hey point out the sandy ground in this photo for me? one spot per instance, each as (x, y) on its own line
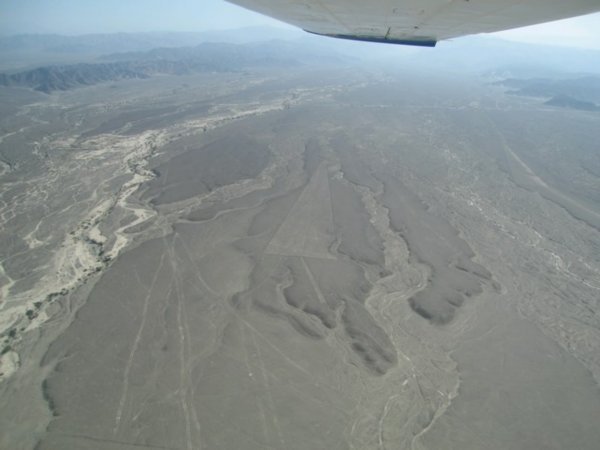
(294, 263)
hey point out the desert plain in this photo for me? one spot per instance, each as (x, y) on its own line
(310, 259)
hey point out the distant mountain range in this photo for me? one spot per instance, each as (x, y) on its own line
(206, 57)
(577, 93)
(30, 51)
(100, 44)
(52, 62)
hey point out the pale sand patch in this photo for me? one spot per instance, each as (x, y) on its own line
(9, 363)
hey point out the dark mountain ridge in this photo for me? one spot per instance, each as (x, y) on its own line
(564, 101)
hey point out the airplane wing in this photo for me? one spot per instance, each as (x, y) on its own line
(415, 22)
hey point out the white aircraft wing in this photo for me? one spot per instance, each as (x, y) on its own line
(415, 22)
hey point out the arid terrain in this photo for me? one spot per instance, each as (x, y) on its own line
(298, 259)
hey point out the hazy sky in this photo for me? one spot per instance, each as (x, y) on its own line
(106, 16)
